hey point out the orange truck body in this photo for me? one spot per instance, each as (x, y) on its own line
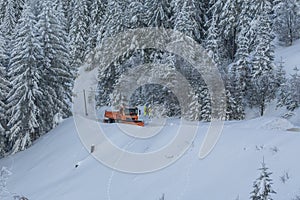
(126, 116)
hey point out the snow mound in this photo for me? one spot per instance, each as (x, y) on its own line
(278, 124)
(295, 119)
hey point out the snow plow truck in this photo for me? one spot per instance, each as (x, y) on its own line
(125, 115)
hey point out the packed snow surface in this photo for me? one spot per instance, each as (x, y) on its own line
(59, 167)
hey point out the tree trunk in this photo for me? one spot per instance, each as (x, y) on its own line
(262, 109)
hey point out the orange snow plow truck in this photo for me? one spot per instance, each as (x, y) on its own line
(124, 115)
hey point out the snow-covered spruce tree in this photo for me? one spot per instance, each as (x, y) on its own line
(136, 10)
(4, 88)
(263, 84)
(186, 19)
(105, 85)
(19, 6)
(240, 69)
(64, 36)
(224, 16)
(67, 11)
(7, 28)
(239, 73)
(158, 13)
(229, 26)
(3, 79)
(215, 49)
(235, 100)
(24, 99)
(282, 83)
(10, 18)
(97, 11)
(213, 43)
(79, 31)
(2, 10)
(205, 103)
(57, 74)
(247, 23)
(66, 6)
(262, 186)
(287, 22)
(115, 20)
(292, 100)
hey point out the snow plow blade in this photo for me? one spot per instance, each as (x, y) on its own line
(137, 123)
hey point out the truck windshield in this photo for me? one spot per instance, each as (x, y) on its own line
(131, 111)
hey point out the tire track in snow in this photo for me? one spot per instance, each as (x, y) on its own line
(187, 175)
(109, 184)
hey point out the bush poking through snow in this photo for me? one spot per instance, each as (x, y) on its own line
(296, 198)
(4, 175)
(20, 198)
(285, 177)
(162, 197)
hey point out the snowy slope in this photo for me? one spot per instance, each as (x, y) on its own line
(47, 170)
(289, 55)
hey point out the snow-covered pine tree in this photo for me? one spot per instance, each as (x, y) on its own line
(282, 83)
(136, 10)
(158, 13)
(186, 19)
(10, 14)
(7, 28)
(239, 71)
(57, 74)
(107, 79)
(79, 31)
(292, 100)
(2, 10)
(224, 17)
(97, 11)
(229, 26)
(262, 187)
(116, 20)
(247, 23)
(263, 85)
(4, 88)
(287, 22)
(19, 6)
(26, 93)
(3, 83)
(235, 100)
(205, 103)
(66, 7)
(3, 108)
(10, 19)
(213, 43)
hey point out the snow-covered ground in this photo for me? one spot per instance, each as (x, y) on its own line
(59, 167)
(289, 56)
(47, 170)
